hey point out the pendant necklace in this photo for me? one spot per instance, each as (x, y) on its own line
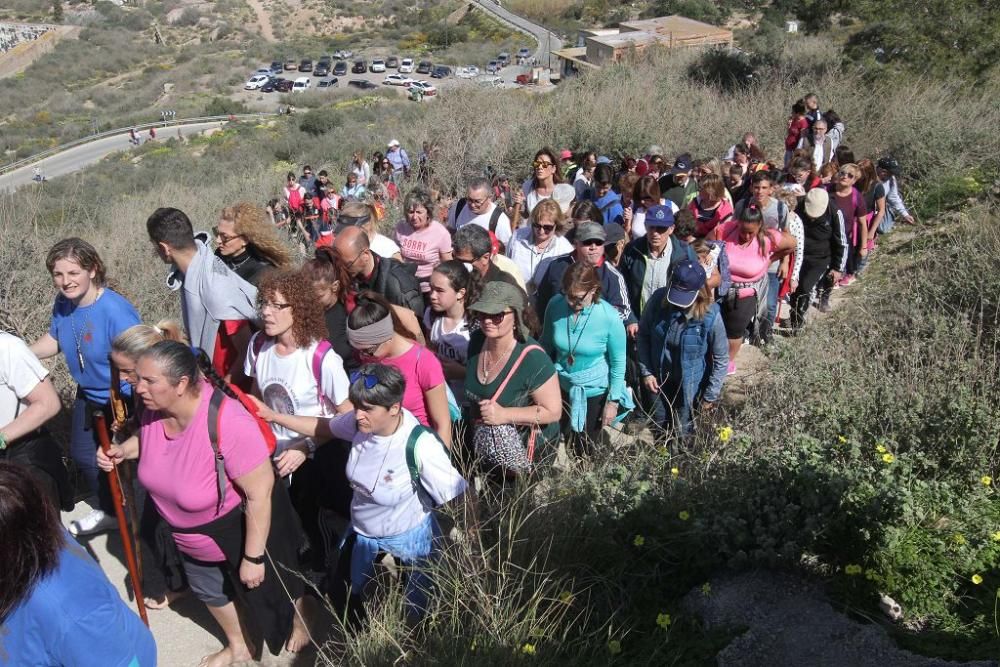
(571, 358)
(76, 336)
(488, 365)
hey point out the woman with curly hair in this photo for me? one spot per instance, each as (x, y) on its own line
(296, 371)
(248, 243)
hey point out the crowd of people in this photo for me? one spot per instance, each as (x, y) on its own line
(13, 34)
(310, 418)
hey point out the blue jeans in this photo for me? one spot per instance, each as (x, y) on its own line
(83, 450)
(773, 285)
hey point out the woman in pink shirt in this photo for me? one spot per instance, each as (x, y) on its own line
(203, 505)
(422, 241)
(750, 249)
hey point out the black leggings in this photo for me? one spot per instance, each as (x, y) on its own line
(813, 272)
(582, 443)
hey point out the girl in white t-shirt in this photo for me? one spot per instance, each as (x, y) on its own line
(445, 322)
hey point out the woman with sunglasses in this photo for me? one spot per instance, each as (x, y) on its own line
(248, 243)
(377, 335)
(586, 338)
(847, 199)
(533, 248)
(543, 181)
(645, 195)
(509, 379)
(399, 473)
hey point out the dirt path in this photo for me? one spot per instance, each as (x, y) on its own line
(263, 19)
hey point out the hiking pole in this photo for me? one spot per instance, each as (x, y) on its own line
(119, 415)
(101, 428)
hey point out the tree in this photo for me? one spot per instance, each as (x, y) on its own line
(57, 11)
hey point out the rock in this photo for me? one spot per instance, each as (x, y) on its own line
(167, 87)
(790, 623)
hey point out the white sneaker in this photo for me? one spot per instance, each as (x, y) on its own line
(95, 522)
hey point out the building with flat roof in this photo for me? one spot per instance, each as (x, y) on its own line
(596, 47)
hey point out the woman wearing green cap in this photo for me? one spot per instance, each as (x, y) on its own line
(511, 384)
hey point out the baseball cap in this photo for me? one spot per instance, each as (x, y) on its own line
(563, 194)
(603, 159)
(659, 215)
(682, 165)
(589, 231)
(688, 278)
(393, 143)
(566, 154)
(614, 233)
(890, 164)
(817, 202)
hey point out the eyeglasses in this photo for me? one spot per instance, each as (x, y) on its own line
(271, 305)
(225, 238)
(370, 379)
(541, 164)
(576, 299)
(543, 228)
(477, 202)
(494, 318)
(353, 261)
(845, 174)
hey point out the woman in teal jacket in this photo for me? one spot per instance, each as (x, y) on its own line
(586, 338)
(683, 352)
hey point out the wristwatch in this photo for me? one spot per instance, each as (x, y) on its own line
(256, 560)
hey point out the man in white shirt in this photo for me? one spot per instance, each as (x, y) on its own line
(477, 208)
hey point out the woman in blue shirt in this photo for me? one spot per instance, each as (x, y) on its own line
(586, 338)
(86, 317)
(683, 352)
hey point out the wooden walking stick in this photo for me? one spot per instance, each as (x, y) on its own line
(101, 428)
(119, 416)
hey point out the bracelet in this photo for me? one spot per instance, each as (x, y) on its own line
(256, 560)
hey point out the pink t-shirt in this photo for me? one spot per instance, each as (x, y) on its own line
(179, 471)
(422, 371)
(746, 263)
(423, 247)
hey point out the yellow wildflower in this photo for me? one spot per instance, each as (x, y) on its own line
(986, 480)
(977, 579)
(888, 458)
(958, 538)
(614, 647)
(706, 589)
(684, 516)
(528, 649)
(565, 597)
(852, 570)
(675, 471)
(841, 439)
(996, 536)
(725, 433)
(880, 448)
(663, 620)
(639, 540)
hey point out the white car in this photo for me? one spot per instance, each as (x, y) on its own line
(377, 66)
(427, 88)
(256, 82)
(301, 84)
(490, 82)
(397, 80)
(470, 72)
(406, 66)
(343, 55)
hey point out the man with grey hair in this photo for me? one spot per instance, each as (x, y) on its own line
(472, 246)
(822, 150)
(477, 208)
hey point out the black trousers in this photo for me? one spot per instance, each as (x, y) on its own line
(582, 443)
(811, 275)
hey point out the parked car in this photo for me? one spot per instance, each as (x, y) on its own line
(392, 62)
(283, 85)
(362, 84)
(291, 65)
(306, 65)
(397, 80)
(493, 67)
(406, 66)
(343, 55)
(266, 71)
(273, 84)
(377, 66)
(470, 72)
(427, 89)
(360, 66)
(523, 53)
(340, 69)
(424, 67)
(256, 82)
(302, 84)
(522, 79)
(440, 72)
(277, 67)
(322, 69)
(490, 82)
(503, 59)
(328, 83)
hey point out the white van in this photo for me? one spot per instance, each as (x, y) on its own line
(301, 84)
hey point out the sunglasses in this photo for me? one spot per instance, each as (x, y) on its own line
(544, 228)
(225, 238)
(370, 380)
(576, 298)
(656, 229)
(541, 164)
(590, 243)
(495, 318)
(845, 174)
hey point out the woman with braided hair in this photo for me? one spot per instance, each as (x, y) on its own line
(207, 467)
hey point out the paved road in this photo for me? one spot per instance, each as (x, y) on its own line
(78, 157)
(547, 40)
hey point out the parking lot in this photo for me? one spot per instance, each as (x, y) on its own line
(259, 100)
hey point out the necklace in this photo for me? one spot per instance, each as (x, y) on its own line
(77, 338)
(488, 366)
(569, 338)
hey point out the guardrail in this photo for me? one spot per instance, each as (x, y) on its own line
(123, 130)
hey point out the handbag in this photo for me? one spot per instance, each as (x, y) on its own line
(500, 446)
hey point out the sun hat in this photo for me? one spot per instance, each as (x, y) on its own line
(817, 202)
(496, 297)
(393, 143)
(685, 283)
